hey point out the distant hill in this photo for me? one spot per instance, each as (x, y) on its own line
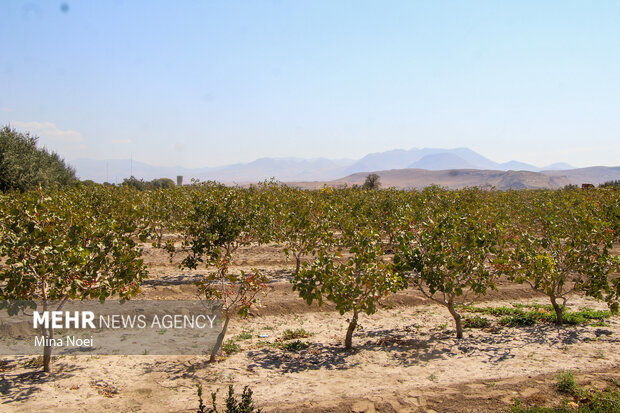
(459, 178)
(595, 175)
(454, 179)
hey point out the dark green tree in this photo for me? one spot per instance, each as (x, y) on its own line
(23, 166)
(372, 182)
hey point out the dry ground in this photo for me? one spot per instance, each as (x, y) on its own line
(405, 358)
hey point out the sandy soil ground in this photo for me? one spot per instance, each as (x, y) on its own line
(406, 358)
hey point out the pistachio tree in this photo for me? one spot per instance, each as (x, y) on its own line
(300, 221)
(561, 243)
(54, 251)
(452, 248)
(354, 283)
(220, 220)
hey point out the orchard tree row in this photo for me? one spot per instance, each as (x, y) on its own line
(349, 246)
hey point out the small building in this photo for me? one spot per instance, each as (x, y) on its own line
(587, 186)
(179, 180)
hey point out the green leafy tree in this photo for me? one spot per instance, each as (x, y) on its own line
(163, 211)
(300, 221)
(142, 185)
(23, 166)
(54, 251)
(219, 222)
(611, 184)
(453, 249)
(355, 284)
(561, 244)
(373, 181)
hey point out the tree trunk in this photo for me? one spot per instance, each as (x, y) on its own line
(457, 320)
(559, 317)
(352, 324)
(297, 263)
(220, 339)
(47, 350)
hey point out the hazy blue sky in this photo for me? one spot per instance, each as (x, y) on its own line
(205, 83)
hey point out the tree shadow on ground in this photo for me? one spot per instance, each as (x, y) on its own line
(179, 369)
(15, 387)
(316, 356)
(274, 276)
(178, 279)
(411, 346)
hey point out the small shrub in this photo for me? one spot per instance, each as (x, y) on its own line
(265, 343)
(546, 307)
(289, 334)
(294, 345)
(591, 314)
(529, 314)
(566, 382)
(476, 322)
(607, 401)
(495, 311)
(518, 320)
(245, 405)
(244, 335)
(590, 400)
(230, 347)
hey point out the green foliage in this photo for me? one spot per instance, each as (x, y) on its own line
(359, 246)
(23, 166)
(584, 400)
(218, 222)
(476, 322)
(244, 335)
(142, 185)
(245, 405)
(566, 382)
(519, 319)
(520, 315)
(373, 181)
(607, 401)
(231, 347)
(300, 220)
(289, 334)
(453, 247)
(54, 250)
(354, 285)
(610, 184)
(561, 242)
(201, 405)
(294, 345)
(495, 311)
(591, 401)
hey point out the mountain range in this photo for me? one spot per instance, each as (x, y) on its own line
(298, 169)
